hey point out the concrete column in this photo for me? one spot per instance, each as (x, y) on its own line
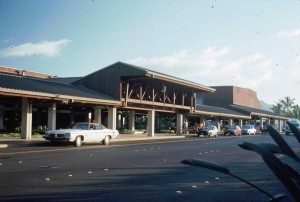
(179, 124)
(119, 120)
(218, 124)
(231, 121)
(151, 123)
(269, 121)
(262, 122)
(26, 122)
(132, 120)
(280, 125)
(123, 121)
(52, 117)
(241, 123)
(89, 117)
(97, 115)
(275, 124)
(112, 118)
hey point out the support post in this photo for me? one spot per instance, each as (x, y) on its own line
(179, 124)
(127, 96)
(26, 122)
(241, 123)
(269, 121)
(151, 123)
(262, 122)
(89, 117)
(52, 117)
(230, 121)
(279, 125)
(97, 115)
(132, 120)
(119, 120)
(112, 118)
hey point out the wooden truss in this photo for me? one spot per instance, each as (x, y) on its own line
(156, 94)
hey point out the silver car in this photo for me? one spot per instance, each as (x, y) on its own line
(82, 132)
(248, 129)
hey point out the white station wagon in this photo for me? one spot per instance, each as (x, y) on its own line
(83, 132)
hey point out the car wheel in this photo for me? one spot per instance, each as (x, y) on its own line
(78, 141)
(105, 141)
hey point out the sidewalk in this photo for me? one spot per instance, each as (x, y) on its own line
(15, 142)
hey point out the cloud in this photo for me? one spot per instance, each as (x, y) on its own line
(289, 34)
(45, 48)
(213, 66)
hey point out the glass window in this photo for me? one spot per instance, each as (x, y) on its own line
(98, 127)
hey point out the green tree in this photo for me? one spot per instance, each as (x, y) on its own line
(277, 108)
(288, 104)
(296, 111)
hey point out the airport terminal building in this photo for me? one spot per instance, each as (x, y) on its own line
(29, 100)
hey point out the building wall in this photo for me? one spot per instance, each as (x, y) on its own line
(223, 96)
(229, 95)
(245, 97)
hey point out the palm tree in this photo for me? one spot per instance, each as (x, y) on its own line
(287, 103)
(277, 108)
(296, 111)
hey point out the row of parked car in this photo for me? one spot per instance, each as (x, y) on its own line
(212, 131)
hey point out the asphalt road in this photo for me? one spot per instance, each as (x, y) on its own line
(136, 171)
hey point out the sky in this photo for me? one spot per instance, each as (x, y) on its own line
(252, 44)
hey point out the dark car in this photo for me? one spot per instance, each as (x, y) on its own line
(263, 129)
(233, 130)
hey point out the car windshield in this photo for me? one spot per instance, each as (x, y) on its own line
(209, 127)
(246, 127)
(81, 126)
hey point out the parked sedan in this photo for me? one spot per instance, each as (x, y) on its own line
(82, 133)
(233, 130)
(248, 129)
(208, 131)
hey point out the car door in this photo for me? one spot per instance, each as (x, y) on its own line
(215, 131)
(90, 134)
(100, 133)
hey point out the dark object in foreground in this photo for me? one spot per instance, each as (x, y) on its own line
(289, 177)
